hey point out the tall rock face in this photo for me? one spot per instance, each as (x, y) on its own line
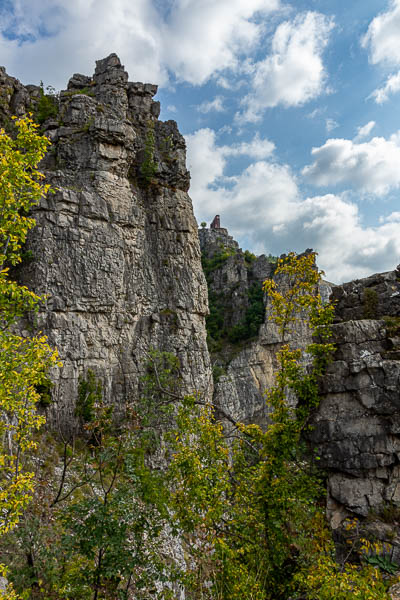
(115, 248)
(242, 349)
(357, 427)
(117, 253)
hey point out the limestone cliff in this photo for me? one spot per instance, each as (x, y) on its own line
(356, 429)
(115, 248)
(117, 252)
(243, 361)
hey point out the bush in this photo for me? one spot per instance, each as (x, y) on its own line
(370, 303)
(47, 107)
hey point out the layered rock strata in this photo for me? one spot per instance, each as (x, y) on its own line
(115, 249)
(356, 430)
(244, 368)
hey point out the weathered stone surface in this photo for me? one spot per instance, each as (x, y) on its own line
(369, 298)
(356, 428)
(247, 367)
(118, 257)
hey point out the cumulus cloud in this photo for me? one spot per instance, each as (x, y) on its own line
(394, 217)
(217, 104)
(293, 73)
(382, 37)
(371, 167)
(263, 205)
(87, 31)
(364, 131)
(382, 43)
(202, 38)
(207, 160)
(194, 40)
(392, 86)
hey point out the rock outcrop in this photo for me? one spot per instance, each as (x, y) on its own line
(357, 427)
(115, 248)
(243, 361)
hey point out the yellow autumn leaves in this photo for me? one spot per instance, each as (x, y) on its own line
(24, 362)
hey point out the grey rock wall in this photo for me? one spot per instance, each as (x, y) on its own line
(117, 256)
(356, 429)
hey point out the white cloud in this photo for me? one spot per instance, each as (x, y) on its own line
(204, 154)
(257, 148)
(202, 38)
(331, 124)
(392, 86)
(317, 112)
(88, 30)
(371, 167)
(394, 217)
(172, 108)
(263, 204)
(382, 38)
(293, 73)
(195, 41)
(364, 131)
(217, 104)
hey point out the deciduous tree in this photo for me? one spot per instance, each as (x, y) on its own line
(24, 362)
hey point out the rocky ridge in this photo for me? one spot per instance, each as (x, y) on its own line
(115, 249)
(356, 429)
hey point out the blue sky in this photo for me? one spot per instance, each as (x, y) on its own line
(290, 109)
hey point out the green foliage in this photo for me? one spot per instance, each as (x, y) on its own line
(95, 527)
(86, 91)
(254, 316)
(203, 224)
(44, 391)
(148, 168)
(20, 186)
(24, 362)
(47, 106)
(249, 257)
(370, 303)
(392, 325)
(382, 562)
(248, 507)
(215, 262)
(322, 578)
(89, 395)
(217, 372)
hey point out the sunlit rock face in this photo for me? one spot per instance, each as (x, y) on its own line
(115, 248)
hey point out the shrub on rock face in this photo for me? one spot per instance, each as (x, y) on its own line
(370, 302)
